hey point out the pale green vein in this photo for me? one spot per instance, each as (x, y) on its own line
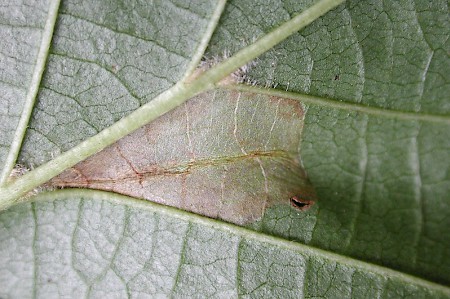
(181, 261)
(414, 157)
(205, 39)
(32, 91)
(335, 104)
(34, 247)
(247, 234)
(168, 100)
(361, 186)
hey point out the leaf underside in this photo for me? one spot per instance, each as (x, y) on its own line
(140, 249)
(382, 182)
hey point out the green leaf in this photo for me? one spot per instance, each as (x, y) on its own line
(95, 244)
(375, 144)
(377, 153)
(100, 80)
(26, 31)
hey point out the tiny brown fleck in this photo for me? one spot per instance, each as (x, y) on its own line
(301, 204)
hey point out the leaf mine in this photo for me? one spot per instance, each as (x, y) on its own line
(223, 154)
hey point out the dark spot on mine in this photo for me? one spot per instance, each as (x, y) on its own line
(300, 203)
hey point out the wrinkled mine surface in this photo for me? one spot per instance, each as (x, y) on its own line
(223, 154)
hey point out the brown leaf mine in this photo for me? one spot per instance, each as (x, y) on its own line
(223, 154)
